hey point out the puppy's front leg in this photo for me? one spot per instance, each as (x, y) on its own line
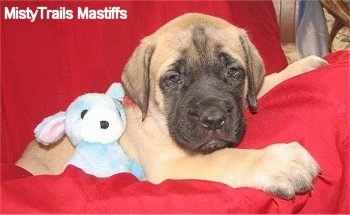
(280, 169)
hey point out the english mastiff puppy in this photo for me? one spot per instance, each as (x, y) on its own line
(190, 82)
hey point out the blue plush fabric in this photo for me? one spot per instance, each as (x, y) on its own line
(104, 160)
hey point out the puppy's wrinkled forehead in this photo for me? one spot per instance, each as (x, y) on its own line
(201, 44)
(197, 44)
(202, 49)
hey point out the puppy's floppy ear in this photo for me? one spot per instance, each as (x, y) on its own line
(136, 74)
(255, 70)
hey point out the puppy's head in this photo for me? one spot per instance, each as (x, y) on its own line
(195, 75)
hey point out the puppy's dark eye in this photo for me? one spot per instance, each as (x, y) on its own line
(233, 72)
(82, 114)
(174, 78)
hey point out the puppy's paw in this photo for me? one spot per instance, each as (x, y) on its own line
(312, 62)
(285, 170)
(304, 65)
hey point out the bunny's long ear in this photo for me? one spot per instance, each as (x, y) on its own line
(116, 91)
(51, 129)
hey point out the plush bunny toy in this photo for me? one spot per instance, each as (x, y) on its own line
(93, 122)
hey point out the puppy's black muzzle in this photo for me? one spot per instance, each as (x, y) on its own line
(205, 108)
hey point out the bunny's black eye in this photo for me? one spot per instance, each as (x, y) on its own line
(82, 114)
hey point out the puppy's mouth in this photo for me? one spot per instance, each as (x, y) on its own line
(214, 145)
(207, 141)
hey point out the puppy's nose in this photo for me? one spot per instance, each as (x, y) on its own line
(104, 124)
(213, 119)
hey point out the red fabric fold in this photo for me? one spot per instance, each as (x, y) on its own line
(10, 171)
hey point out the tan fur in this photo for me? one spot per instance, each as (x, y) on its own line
(41, 160)
(280, 169)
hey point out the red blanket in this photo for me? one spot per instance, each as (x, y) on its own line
(312, 109)
(46, 64)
